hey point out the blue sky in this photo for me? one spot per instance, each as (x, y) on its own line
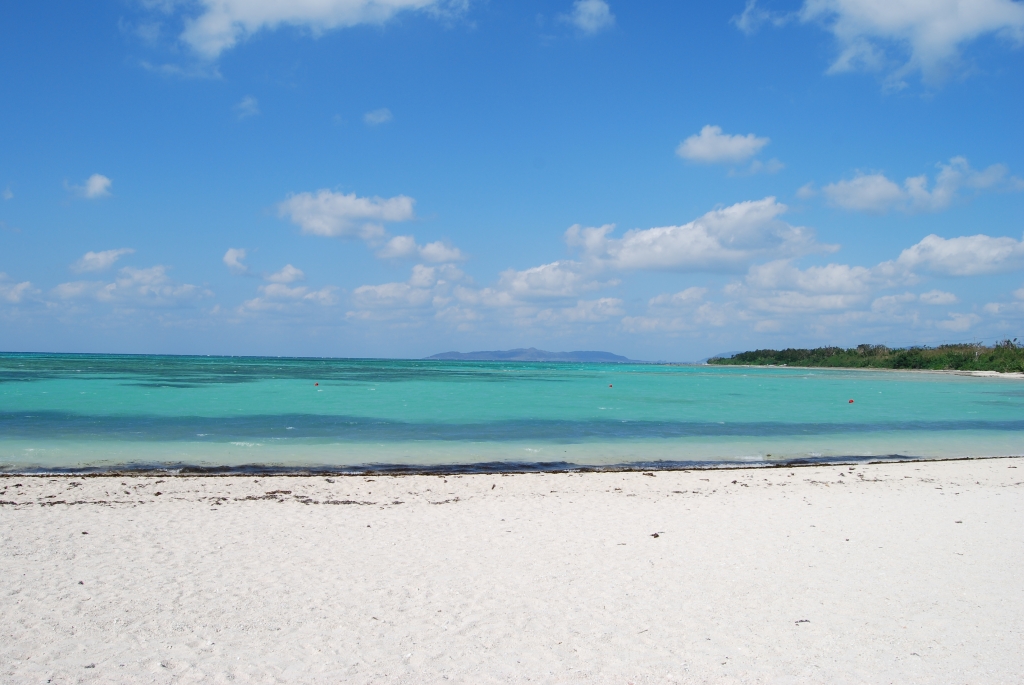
(404, 177)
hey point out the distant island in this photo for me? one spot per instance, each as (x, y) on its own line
(531, 354)
(1005, 356)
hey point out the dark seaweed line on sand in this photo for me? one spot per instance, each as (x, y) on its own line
(492, 467)
(288, 427)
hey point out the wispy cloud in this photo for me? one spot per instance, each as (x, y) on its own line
(378, 117)
(247, 107)
(99, 261)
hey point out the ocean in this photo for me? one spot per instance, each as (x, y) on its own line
(62, 412)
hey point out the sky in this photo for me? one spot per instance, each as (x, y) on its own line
(398, 178)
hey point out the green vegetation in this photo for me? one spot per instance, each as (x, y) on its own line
(1004, 356)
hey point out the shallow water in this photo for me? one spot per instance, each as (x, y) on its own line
(109, 411)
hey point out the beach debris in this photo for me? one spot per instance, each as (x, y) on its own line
(85, 532)
(803, 620)
(81, 582)
(658, 534)
(650, 474)
(957, 521)
(492, 486)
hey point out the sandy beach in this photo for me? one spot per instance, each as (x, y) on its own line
(885, 573)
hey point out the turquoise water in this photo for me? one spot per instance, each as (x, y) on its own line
(108, 411)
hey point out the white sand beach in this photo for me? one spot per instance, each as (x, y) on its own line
(887, 573)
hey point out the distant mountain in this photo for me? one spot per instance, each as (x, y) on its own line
(531, 355)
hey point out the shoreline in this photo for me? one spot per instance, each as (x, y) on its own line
(958, 372)
(484, 468)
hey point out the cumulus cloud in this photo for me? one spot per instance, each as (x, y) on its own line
(151, 286)
(378, 117)
(404, 246)
(721, 240)
(938, 297)
(927, 34)
(247, 107)
(682, 298)
(427, 286)
(876, 193)
(281, 297)
(327, 213)
(288, 274)
(591, 16)
(99, 261)
(14, 292)
(712, 146)
(96, 186)
(964, 256)
(222, 24)
(233, 260)
(584, 311)
(555, 280)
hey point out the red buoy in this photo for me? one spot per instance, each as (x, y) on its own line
(609, 385)
(319, 384)
(851, 401)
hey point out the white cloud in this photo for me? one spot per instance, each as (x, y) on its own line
(221, 24)
(378, 117)
(438, 251)
(7, 194)
(866, 193)
(402, 246)
(683, 298)
(247, 107)
(427, 285)
(96, 186)
(722, 239)
(327, 213)
(929, 34)
(711, 146)
(288, 274)
(806, 191)
(964, 256)
(233, 260)
(554, 280)
(591, 16)
(388, 295)
(282, 297)
(959, 322)
(98, 261)
(876, 193)
(14, 292)
(938, 297)
(585, 311)
(753, 17)
(151, 286)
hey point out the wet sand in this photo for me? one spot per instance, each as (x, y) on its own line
(906, 572)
